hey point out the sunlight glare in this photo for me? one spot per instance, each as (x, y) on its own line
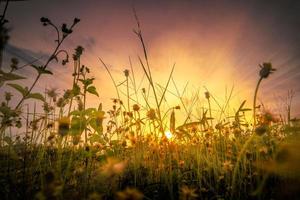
(168, 134)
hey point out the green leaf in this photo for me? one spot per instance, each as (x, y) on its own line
(9, 76)
(37, 96)
(89, 111)
(19, 88)
(86, 82)
(78, 124)
(97, 125)
(75, 90)
(92, 90)
(76, 112)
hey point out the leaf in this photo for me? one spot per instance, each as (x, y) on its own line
(41, 70)
(242, 105)
(37, 96)
(44, 71)
(78, 124)
(89, 111)
(87, 82)
(92, 90)
(76, 112)
(75, 90)
(9, 76)
(19, 88)
(97, 125)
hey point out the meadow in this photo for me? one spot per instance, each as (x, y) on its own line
(138, 149)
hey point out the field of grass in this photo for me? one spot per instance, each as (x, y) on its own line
(138, 149)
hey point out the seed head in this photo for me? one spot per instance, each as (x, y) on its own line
(136, 107)
(151, 114)
(266, 70)
(63, 126)
(207, 95)
(126, 72)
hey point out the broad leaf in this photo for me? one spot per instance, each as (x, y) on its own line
(9, 76)
(37, 96)
(78, 124)
(92, 90)
(75, 90)
(19, 88)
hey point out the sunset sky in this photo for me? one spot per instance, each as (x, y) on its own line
(216, 44)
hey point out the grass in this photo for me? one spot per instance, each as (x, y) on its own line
(139, 149)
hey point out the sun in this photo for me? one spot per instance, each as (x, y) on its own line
(168, 134)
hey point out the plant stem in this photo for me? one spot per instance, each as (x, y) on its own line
(254, 101)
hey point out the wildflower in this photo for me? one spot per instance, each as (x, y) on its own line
(136, 107)
(14, 63)
(51, 137)
(133, 140)
(129, 114)
(181, 163)
(99, 117)
(267, 118)
(113, 167)
(115, 101)
(266, 70)
(287, 159)
(187, 193)
(67, 94)
(63, 126)
(61, 102)
(78, 52)
(130, 194)
(143, 90)
(207, 95)
(49, 125)
(227, 166)
(237, 132)
(34, 125)
(66, 30)
(126, 72)
(52, 92)
(47, 108)
(8, 96)
(263, 150)
(151, 114)
(45, 21)
(76, 20)
(262, 129)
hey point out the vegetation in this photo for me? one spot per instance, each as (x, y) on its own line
(137, 149)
